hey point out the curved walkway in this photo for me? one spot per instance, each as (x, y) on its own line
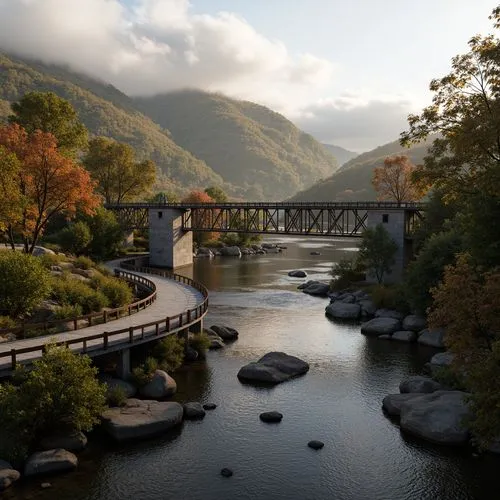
(173, 299)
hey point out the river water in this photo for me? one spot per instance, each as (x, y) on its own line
(338, 402)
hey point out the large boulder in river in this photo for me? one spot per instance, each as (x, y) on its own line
(437, 417)
(441, 359)
(162, 385)
(341, 310)
(141, 418)
(414, 323)
(419, 384)
(193, 411)
(404, 336)
(50, 461)
(368, 308)
(381, 326)
(392, 403)
(70, 441)
(433, 338)
(224, 332)
(230, 251)
(273, 368)
(318, 289)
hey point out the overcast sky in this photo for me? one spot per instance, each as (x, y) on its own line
(347, 71)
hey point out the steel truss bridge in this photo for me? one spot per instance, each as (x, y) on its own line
(348, 219)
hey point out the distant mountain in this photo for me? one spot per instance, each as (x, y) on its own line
(353, 181)
(250, 146)
(342, 155)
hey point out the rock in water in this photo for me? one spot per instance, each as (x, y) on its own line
(315, 445)
(392, 402)
(419, 384)
(226, 472)
(273, 368)
(224, 332)
(381, 326)
(72, 441)
(405, 336)
(161, 386)
(139, 419)
(341, 310)
(437, 417)
(297, 274)
(271, 416)
(433, 338)
(209, 406)
(193, 411)
(414, 323)
(46, 462)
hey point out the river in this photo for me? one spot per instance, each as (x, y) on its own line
(338, 402)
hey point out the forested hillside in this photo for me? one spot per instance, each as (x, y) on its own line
(248, 145)
(342, 155)
(353, 181)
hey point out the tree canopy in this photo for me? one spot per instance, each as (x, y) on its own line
(48, 183)
(119, 176)
(50, 113)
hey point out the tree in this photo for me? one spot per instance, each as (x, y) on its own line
(217, 194)
(393, 181)
(24, 283)
(49, 183)
(202, 217)
(467, 305)
(165, 197)
(75, 238)
(11, 201)
(377, 251)
(119, 177)
(465, 112)
(50, 113)
(107, 234)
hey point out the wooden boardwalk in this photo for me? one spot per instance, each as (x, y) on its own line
(174, 299)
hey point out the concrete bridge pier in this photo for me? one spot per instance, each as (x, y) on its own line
(169, 245)
(123, 365)
(395, 222)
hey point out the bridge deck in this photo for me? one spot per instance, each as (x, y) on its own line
(173, 298)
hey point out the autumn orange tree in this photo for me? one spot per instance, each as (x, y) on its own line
(467, 305)
(202, 217)
(393, 181)
(48, 182)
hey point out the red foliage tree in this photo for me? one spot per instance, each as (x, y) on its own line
(49, 183)
(202, 218)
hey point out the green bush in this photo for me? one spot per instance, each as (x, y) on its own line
(143, 374)
(7, 322)
(447, 377)
(75, 238)
(170, 353)
(426, 271)
(68, 311)
(200, 342)
(107, 234)
(389, 297)
(83, 262)
(116, 396)
(49, 259)
(117, 292)
(61, 392)
(68, 291)
(24, 283)
(345, 272)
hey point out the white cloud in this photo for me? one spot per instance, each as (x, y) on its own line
(155, 46)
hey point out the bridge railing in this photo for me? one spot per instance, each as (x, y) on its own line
(136, 334)
(104, 316)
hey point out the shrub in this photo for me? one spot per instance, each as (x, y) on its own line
(7, 322)
(389, 297)
(60, 392)
(83, 262)
(344, 274)
(75, 238)
(170, 353)
(116, 291)
(448, 377)
(68, 311)
(49, 259)
(107, 234)
(116, 396)
(68, 291)
(143, 374)
(24, 283)
(200, 342)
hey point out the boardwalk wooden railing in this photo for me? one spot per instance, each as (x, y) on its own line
(95, 317)
(136, 334)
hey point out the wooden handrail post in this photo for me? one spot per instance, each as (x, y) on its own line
(167, 324)
(131, 335)
(105, 340)
(157, 329)
(180, 319)
(188, 314)
(105, 316)
(13, 359)
(84, 345)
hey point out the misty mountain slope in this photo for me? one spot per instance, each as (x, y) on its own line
(102, 117)
(342, 155)
(247, 144)
(353, 181)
